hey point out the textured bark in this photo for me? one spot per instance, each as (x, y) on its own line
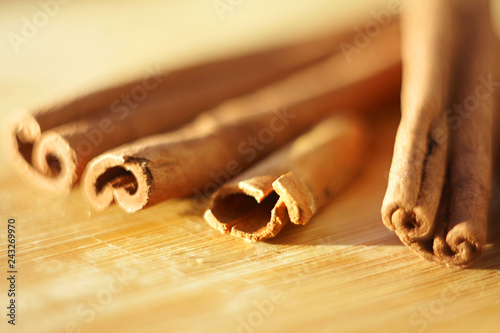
(52, 145)
(291, 184)
(440, 180)
(180, 163)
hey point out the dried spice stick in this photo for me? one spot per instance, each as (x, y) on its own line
(51, 146)
(242, 131)
(291, 184)
(440, 180)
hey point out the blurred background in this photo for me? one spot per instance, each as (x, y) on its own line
(80, 44)
(88, 43)
(50, 48)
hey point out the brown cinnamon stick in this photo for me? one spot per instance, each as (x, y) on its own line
(51, 146)
(291, 184)
(242, 131)
(440, 180)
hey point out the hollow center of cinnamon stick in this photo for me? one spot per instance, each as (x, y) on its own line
(54, 165)
(243, 212)
(25, 149)
(117, 177)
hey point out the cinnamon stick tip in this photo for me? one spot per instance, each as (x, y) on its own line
(23, 125)
(409, 225)
(457, 250)
(466, 246)
(125, 180)
(215, 223)
(45, 159)
(54, 158)
(20, 132)
(296, 197)
(234, 210)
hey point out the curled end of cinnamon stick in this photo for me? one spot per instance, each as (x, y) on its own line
(408, 223)
(55, 162)
(46, 160)
(26, 129)
(457, 252)
(20, 137)
(125, 180)
(258, 208)
(459, 248)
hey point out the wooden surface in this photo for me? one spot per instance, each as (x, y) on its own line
(163, 269)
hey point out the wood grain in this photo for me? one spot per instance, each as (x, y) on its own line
(165, 270)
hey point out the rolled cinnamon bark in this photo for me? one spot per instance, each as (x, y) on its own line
(291, 184)
(440, 180)
(51, 146)
(242, 131)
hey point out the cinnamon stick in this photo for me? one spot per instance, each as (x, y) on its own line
(52, 145)
(291, 184)
(440, 180)
(242, 131)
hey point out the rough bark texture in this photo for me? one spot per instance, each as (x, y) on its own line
(244, 130)
(291, 184)
(440, 180)
(52, 145)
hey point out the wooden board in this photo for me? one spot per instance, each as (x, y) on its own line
(163, 269)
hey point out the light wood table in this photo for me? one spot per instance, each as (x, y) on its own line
(163, 269)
